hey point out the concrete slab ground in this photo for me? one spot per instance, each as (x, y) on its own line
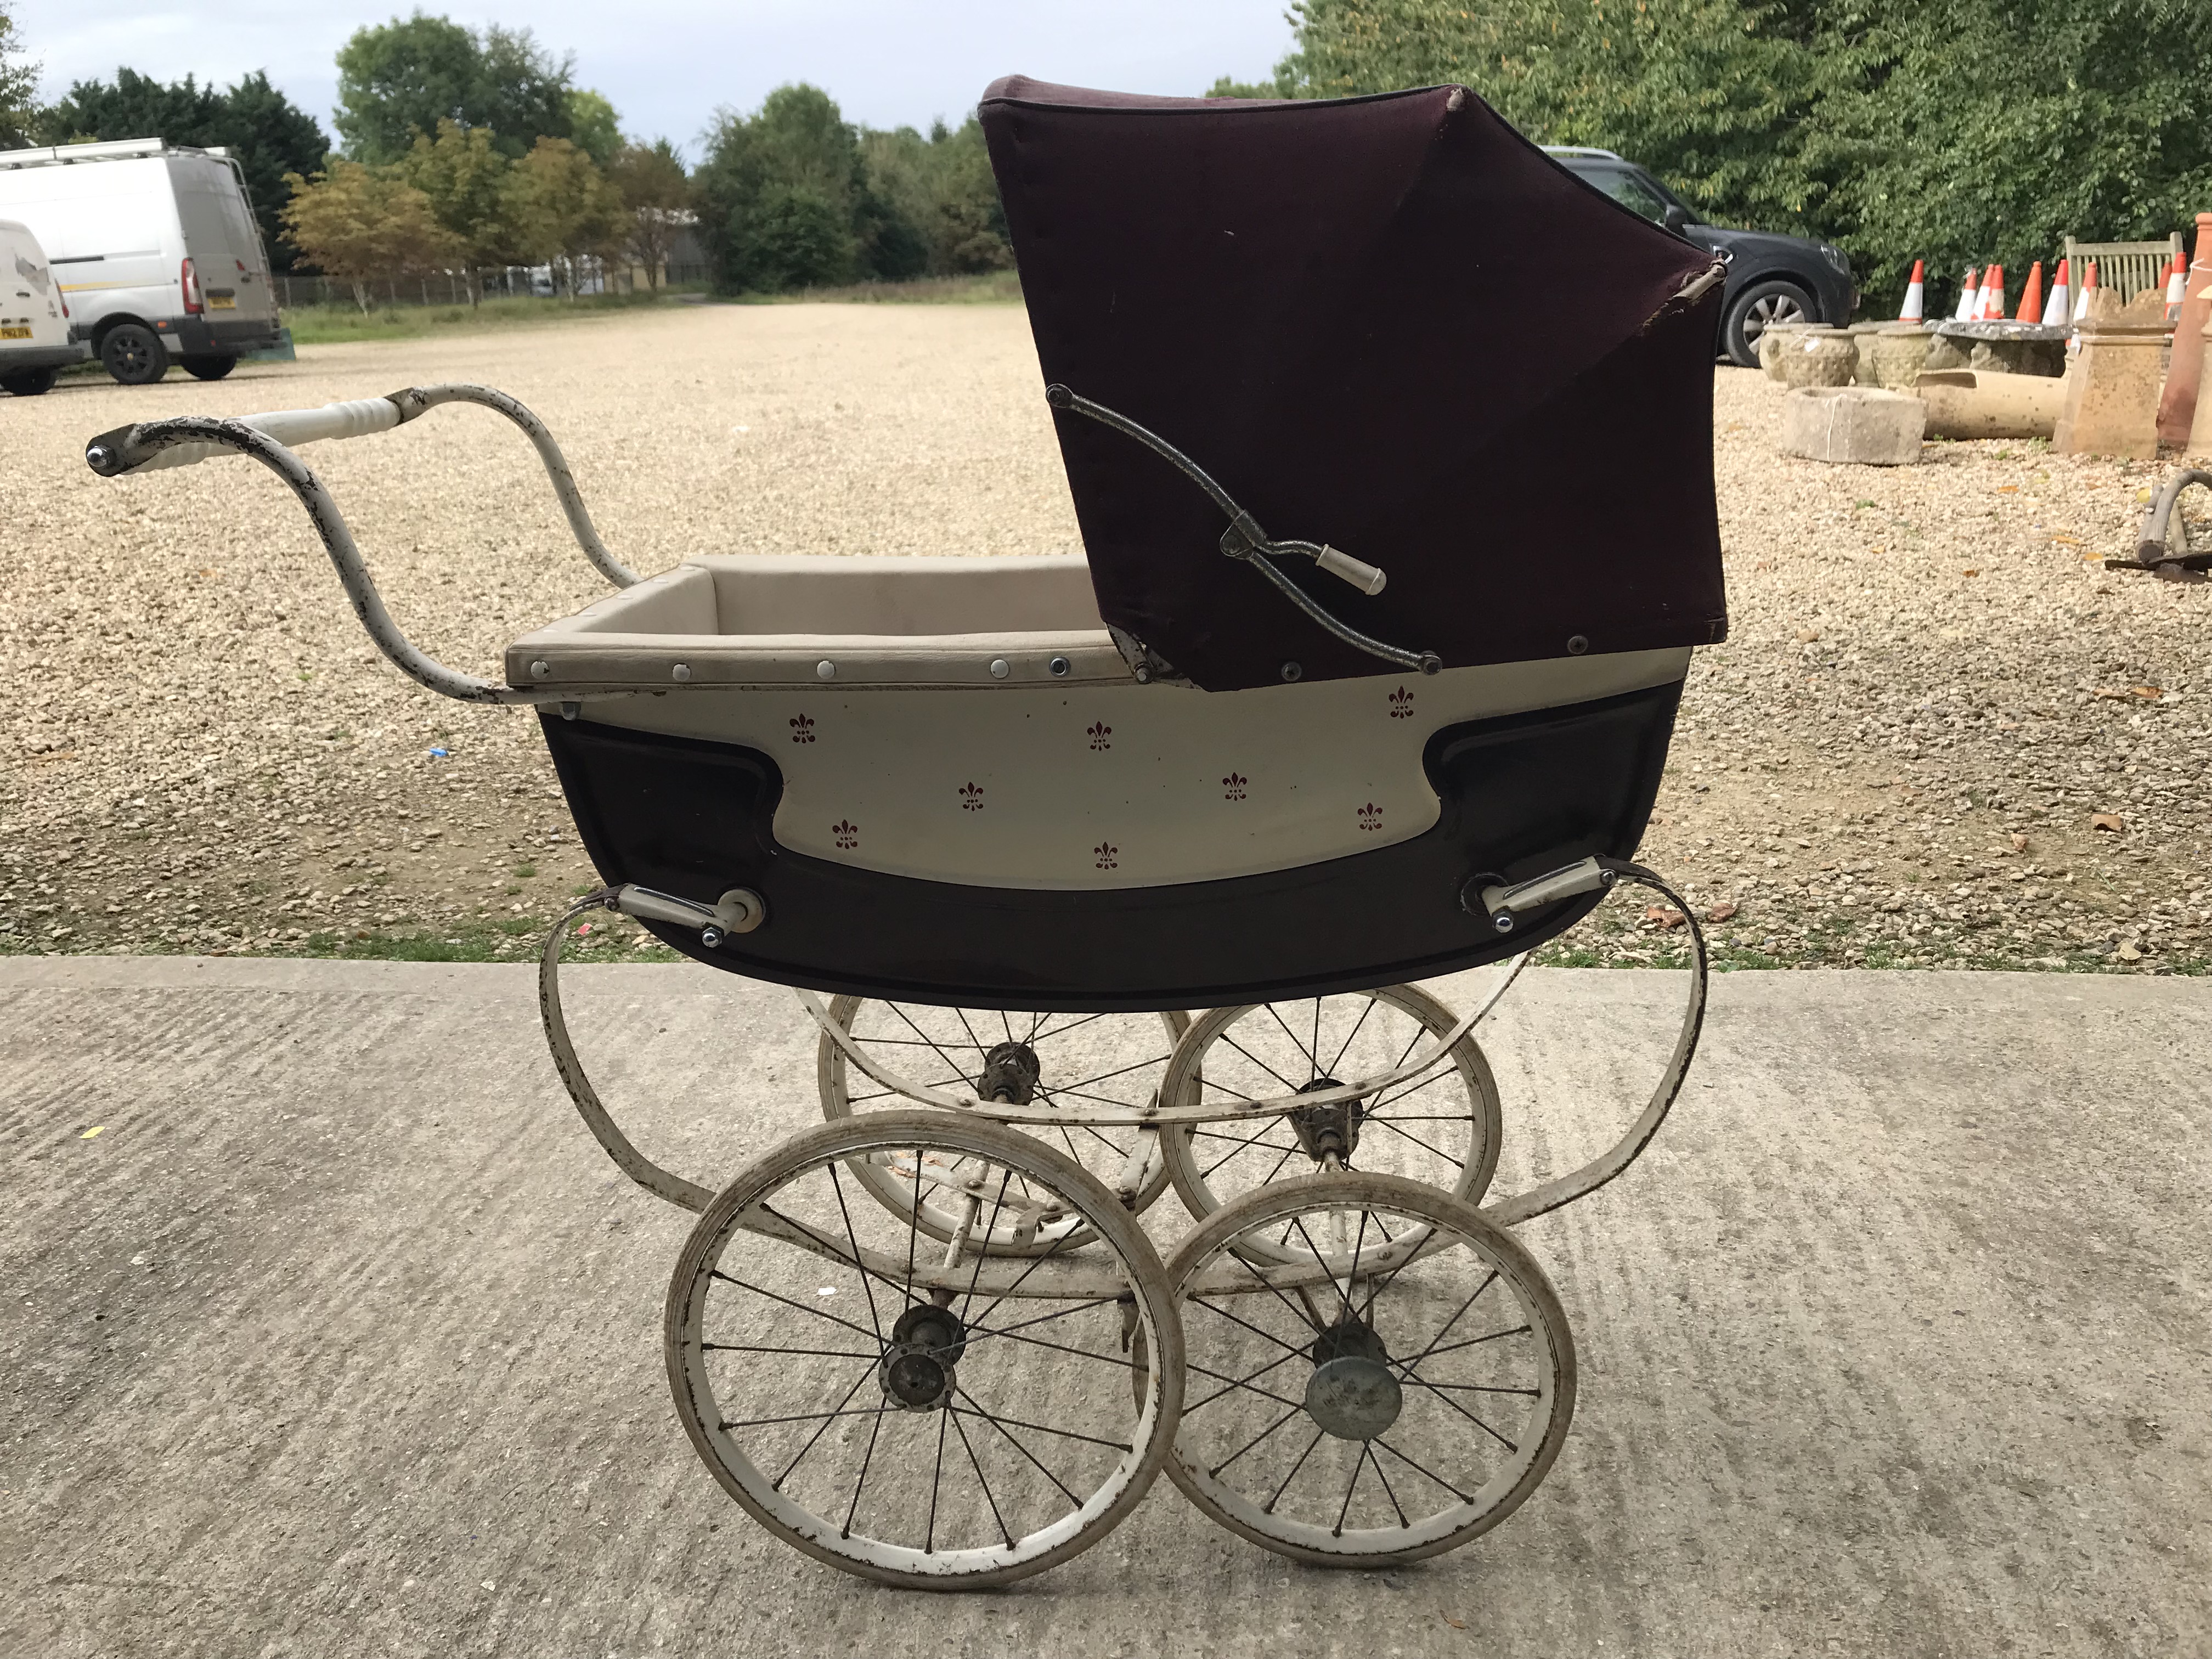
(340, 1337)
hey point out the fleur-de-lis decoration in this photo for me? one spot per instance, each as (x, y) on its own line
(1099, 735)
(1232, 787)
(802, 728)
(1370, 816)
(847, 834)
(1104, 854)
(1402, 704)
(971, 797)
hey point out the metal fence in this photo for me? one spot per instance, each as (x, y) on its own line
(451, 287)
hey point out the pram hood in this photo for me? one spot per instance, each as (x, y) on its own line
(1390, 324)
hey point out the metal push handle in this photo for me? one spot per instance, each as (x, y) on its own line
(1245, 540)
(267, 438)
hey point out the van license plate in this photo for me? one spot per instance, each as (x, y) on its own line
(215, 302)
(15, 333)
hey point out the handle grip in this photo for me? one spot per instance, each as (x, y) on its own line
(1365, 577)
(288, 426)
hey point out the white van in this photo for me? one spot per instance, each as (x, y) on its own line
(155, 249)
(34, 320)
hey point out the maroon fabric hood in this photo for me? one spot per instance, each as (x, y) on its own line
(1389, 323)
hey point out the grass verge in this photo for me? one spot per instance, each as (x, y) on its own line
(338, 325)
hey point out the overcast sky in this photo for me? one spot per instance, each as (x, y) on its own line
(668, 64)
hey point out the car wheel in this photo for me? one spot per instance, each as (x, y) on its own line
(208, 368)
(30, 382)
(134, 354)
(1757, 308)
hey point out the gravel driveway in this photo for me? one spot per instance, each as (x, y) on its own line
(1931, 700)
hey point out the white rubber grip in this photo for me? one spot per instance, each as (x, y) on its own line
(1365, 577)
(292, 428)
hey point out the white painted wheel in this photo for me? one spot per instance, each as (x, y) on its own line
(1443, 1130)
(913, 1412)
(1400, 1392)
(1078, 1059)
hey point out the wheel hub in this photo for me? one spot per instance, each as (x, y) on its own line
(1353, 1398)
(1009, 1074)
(916, 1371)
(1324, 1129)
(1352, 1393)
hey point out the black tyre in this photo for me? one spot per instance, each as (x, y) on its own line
(30, 382)
(208, 368)
(1753, 312)
(134, 354)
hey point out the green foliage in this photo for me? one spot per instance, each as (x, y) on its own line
(559, 207)
(656, 197)
(593, 127)
(357, 223)
(403, 77)
(465, 176)
(1955, 130)
(793, 196)
(19, 88)
(270, 136)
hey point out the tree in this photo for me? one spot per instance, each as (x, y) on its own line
(403, 77)
(562, 207)
(464, 178)
(593, 126)
(19, 87)
(1899, 129)
(357, 223)
(792, 195)
(656, 195)
(270, 135)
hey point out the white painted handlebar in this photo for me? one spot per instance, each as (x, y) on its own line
(290, 428)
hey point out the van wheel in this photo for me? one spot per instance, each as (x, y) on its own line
(30, 382)
(133, 354)
(208, 368)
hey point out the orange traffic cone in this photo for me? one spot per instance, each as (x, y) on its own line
(1915, 309)
(2059, 309)
(2177, 283)
(2031, 297)
(2184, 369)
(1970, 296)
(1993, 294)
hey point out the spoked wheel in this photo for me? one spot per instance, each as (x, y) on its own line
(908, 1410)
(1442, 1130)
(1403, 1390)
(1070, 1061)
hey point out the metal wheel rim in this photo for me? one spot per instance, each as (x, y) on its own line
(1120, 1250)
(834, 1079)
(1549, 1365)
(1189, 1167)
(1764, 313)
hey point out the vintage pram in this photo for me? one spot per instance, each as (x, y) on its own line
(1019, 816)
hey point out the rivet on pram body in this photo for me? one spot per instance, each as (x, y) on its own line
(1114, 867)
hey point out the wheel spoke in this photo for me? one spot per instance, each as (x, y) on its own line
(1386, 1123)
(1269, 1507)
(1216, 1470)
(1426, 1475)
(1344, 1047)
(1245, 1382)
(1269, 1336)
(936, 1477)
(1258, 1062)
(1022, 1449)
(819, 1313)
(976, 1464)
(813, 1353)
(1358, 1467)
(1237, 1382)
(1488, 1279)
(1463, 1411)
(777, 1484)
(1385, 1479)
(853, 1239)
(1471, 1341)
(1312, 1063)
(1037, 1428)
(866, 1458)
(958, 1070)
(1271, 1128)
